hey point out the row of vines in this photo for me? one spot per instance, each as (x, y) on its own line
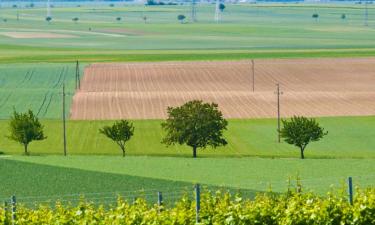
(215, 208)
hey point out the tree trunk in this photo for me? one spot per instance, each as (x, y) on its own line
(194, 152)
(123, 152)
(25, 146)
(302, 153)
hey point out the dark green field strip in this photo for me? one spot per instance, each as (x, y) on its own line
(36, 183)
(104, 57)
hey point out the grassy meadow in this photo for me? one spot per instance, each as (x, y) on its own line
(54, 176)
(349, 137)
(245, 31)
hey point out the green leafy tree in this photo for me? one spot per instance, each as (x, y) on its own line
(118, 18)
(48, 19)
(315, 16)
(25, 128)
(120, 132)
(300, 131)
(75, 19)
(195, 124)
(181, 18)
(221, 7)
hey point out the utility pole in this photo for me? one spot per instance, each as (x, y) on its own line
(366, 13)
(253, 68)
(278, 111)
(63, 117)
(217, 11)
(78, 82)
(48, 8)
(193, 11)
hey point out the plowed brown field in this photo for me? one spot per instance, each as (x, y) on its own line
(311, 87)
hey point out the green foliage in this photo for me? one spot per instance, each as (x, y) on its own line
(48, 19)
(196, 124)
(75, 19)
(25, 128)
(216, 208)
(315, 16)
(181, 18)
(120, 132)
(300, 131)
(221, 7)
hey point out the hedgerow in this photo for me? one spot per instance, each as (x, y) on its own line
(216, 208)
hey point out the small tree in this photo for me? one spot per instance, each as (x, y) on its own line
(25, 128)
(343, 16)
(48, 19)
(300, 131)
(144, 19)
(120, 132)
(195, 124)
(221, 7)
(315, 16)
(181, 18)
(118, 18)
(75, 19)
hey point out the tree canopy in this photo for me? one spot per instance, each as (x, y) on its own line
(25, 128)
(120, 132)
(195, 124)
(181, 18)
(221, 7)
(300, 131)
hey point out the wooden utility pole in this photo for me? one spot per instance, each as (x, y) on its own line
(278, 111)
(253, 68)
(63, 117)
(78, 82)
(366, 13)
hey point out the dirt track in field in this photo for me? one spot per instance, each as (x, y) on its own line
(311, 87)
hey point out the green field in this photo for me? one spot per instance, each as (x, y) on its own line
(246, 31)
(37, 87)
(349, 137)
(53, 176)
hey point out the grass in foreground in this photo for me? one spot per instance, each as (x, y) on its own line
(48, 175)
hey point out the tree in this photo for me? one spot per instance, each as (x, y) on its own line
(118, 18)
(181, 18)
(221, 7)
(343, 16)
(25, 128)
(300, 131)
(195, 124)
(75, 19)
(120, 132)
(144, 19)
(48, 19)
(315, 16)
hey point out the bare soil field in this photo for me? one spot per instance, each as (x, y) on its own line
(311, 87)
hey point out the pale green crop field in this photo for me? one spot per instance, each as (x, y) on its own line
(246, 31)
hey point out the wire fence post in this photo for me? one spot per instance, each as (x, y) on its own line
(13, 205)
(198, 202)
(5, 212)
(160, 200)
(350, 190)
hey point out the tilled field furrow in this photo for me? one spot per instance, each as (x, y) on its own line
(311, 87)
